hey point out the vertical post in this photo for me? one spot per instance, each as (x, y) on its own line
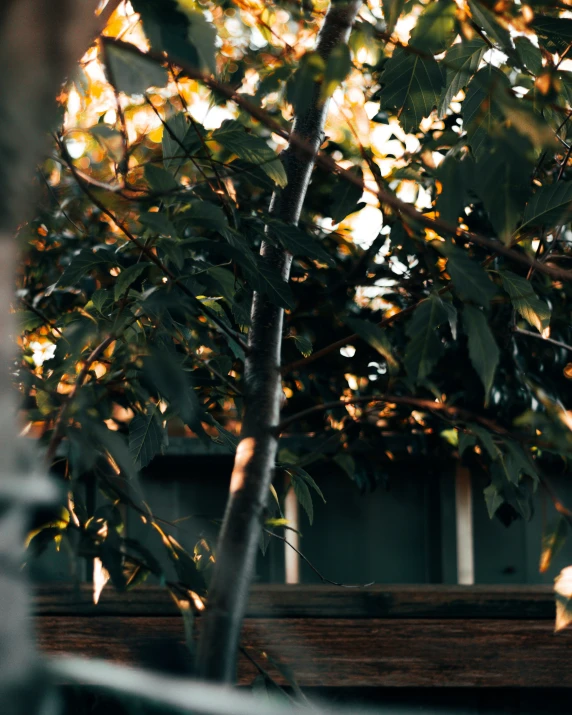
(464, 522)
(291, 557)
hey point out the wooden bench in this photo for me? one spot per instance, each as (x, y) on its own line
(381, 636)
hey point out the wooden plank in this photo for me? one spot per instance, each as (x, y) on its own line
(346, 652)
(300, 601)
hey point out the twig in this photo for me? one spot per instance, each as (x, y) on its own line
(399, 400)
(57, 435)
(64, 213)
(44, 317)
(150, 255)
(311, 565)
(331, 166)
(538, 336)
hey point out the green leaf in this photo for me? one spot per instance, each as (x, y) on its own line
(411, 87)
(102, 301)
(502, 181)
(483, 350)
(303, 344)
(298, 242)
(462, 60)
(127, 277)
(228, 439)
(525, 301)
(45, 403)
(181, 140)
(28, 320)
(131, 72)
(466, 441)
(268, 280)
(506, 481)
(485, 437)
(482, 109)
(425, 346)
(391, 12)
(347, 463)
(115, 444)
(345, 197)
(453, 175)
(549, 206)
(236, 140)
(493, 499)
(338, 67)
(302, 492)
(169, 29)
(164, 372)
(435, 27)
(556, 31)
(529, 55)
(202, 215)
(83, 263)
(470, 279)
(158, 221)
(377, 338)
(487, 21)
(147, 437)
(451, 436)
(297, 471)
(173, 136)
(202, 36)
(160, 180)
(301, 88)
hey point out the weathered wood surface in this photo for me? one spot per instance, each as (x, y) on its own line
(301, 601)
(376, 637)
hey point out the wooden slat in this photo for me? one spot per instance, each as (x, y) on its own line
(342, 652)
(300, 601)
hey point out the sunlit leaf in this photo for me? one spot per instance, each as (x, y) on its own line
(337, 69)
(303, 344)
(391, 11)
(563, 591)
(435, 27)
(553, 539)
(462, 60)
(133, 73)
(235, 139)
(411, 87)
(525, 301)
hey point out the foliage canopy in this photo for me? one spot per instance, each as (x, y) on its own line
(430, 288)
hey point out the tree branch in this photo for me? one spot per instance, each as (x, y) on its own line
(418, 402)
(329, 165)
(256, 453)
(538, 336)
(146, 251)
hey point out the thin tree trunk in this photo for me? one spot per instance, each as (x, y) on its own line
(256, 453)
(39, 42)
